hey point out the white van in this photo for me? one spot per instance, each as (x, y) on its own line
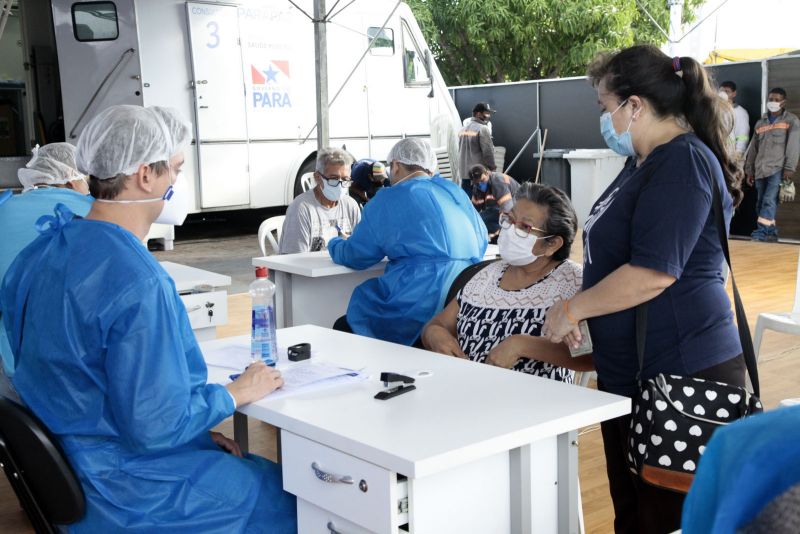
(244, 73)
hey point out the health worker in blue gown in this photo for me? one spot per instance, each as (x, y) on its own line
(49, 178)
(107, 359)
(427, 228)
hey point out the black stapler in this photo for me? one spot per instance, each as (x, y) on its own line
(389, 378)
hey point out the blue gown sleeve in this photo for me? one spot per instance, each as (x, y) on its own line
(156, 376)
(362, 249)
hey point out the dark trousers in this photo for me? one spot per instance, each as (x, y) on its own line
(640, 508)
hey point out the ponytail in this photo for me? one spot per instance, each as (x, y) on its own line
(709, 117)
(677, 87)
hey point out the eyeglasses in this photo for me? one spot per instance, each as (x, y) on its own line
(336, 181)
(507, 222)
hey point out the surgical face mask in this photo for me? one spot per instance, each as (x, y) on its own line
(176, 203)
(334, 193)
(516, 250)
(723, 95)
(774, 107)
(483, 186)
(622, 143)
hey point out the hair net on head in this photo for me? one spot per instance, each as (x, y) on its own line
(51, 164)
(413, 151)
(121, 138)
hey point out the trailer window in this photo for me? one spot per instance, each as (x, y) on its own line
(95, 21)
(413, 60)
(384, 44)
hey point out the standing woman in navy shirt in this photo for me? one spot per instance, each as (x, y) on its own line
(651, 237)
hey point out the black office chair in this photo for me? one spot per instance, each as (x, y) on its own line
(38, 470)
(464, 277)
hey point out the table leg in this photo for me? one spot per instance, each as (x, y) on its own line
(283, 299)
(240, 432)
(534, 487)
(569, 512)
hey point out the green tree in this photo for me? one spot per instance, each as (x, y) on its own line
(485, 41)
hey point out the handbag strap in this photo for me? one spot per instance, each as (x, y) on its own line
(741, 318)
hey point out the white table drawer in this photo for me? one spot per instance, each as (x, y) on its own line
(371, 500)
(198, 304)
(314, 520)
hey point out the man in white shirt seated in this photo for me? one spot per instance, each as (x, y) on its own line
(324, 212)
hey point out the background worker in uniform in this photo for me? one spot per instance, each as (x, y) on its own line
(741, 120)
(475, 143)
(369, 176)
(492, 195)
(771, 158)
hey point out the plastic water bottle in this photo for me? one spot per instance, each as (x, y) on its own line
(264, 342)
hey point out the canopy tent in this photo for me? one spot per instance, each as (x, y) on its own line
(719, 56)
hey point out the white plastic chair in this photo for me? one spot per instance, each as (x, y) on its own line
(273, 224)
(443, 163)
(307, 181)
(785, 322)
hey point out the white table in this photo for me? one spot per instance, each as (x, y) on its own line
(474, 448)
(204, 296)
(312, 289)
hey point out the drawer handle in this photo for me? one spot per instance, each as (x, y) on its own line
(332, 528)
(329, 477)
(194, 308)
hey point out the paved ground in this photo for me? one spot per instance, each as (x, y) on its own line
(223, 243)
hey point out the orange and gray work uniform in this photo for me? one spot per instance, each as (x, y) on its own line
(475, 146)
(774, 147)
(501, 191)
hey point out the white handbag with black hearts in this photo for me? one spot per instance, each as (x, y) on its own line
(674, 416)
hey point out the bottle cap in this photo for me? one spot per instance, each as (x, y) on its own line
(262, 272)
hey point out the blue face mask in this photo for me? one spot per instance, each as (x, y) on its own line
(483, 186)
(622, 143)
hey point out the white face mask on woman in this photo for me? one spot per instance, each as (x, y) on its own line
(517, 250)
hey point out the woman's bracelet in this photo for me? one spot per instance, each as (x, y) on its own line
(570, 318)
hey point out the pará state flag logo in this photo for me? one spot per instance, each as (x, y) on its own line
(271, 83)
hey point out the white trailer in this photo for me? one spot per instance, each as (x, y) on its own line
(243, 72)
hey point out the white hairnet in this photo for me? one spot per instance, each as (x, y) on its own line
(51, 164)
(121, 138)
(413, 151)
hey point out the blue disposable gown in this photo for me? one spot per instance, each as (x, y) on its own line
(108, 360)
(430, 232)
(18, 216)
(745, 466)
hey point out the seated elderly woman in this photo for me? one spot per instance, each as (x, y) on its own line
(498, 315)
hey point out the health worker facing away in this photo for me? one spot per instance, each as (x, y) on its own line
(324, 212)
(427, 228)
(107, 359)
(49, 178)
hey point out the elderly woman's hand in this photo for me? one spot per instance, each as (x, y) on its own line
(440, 340)
(506, 354)
(558, 327)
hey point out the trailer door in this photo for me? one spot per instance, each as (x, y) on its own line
(221, 118)
(98, 59)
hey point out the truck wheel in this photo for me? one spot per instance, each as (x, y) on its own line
(307, 167)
